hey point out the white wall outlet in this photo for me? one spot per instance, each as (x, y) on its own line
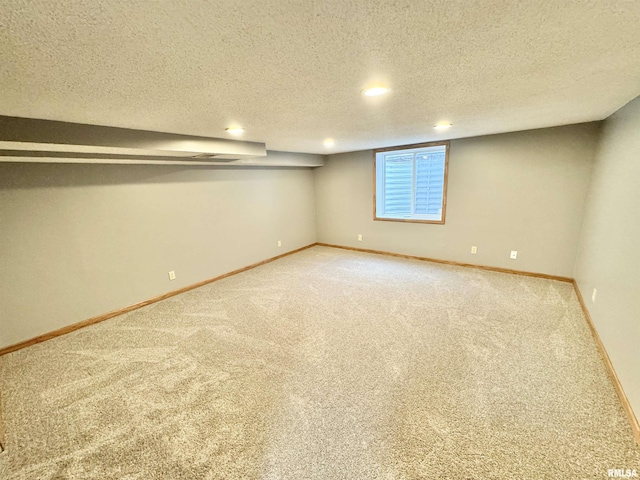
(172, 275)
(514, 254)
(279, 243)
(593, 295)
(359, 237)
(474, 249)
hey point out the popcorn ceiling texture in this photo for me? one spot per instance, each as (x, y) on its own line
(325, 364)
(291, 71)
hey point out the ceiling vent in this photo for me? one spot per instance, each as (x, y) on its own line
(33, 140)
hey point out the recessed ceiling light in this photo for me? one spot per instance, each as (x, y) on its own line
(329, 142)
(236, 131)
(375, 91)
(442, 126)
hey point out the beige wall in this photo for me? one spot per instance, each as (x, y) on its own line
(609, 255)
(521, 191)
(78, 241)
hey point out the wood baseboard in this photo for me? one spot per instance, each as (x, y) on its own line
(450, 262)
(1, 425)
(101, 318)
(633, 420)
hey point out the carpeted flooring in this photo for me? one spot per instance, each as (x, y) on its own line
(326, 364)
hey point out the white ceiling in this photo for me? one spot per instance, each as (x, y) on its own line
(291, 72)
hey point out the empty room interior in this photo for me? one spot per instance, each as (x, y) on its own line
(319, 239)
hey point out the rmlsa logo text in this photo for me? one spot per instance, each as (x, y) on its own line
(622, 473)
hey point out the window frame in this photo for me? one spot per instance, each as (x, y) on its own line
(399, 149)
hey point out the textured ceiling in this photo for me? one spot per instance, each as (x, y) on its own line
(291, 72)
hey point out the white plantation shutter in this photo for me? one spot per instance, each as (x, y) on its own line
(410, 183)
(429, 182)
(398, 174)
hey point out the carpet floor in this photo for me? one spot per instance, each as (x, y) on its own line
(326, 364)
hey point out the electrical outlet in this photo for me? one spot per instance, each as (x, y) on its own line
(172, 275)
(593, 295)
(359, 237)
(514, 254)
(279, 243)
(474, 250)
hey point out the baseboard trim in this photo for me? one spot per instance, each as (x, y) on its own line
(451, 262)
(633, 420)
(1, 425)
(106, 316)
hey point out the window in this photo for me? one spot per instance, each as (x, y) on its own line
(411, 183)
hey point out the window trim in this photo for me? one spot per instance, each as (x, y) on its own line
(445, 143)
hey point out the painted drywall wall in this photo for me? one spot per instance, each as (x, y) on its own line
(521, 191)
(78, 241)
(608, 258)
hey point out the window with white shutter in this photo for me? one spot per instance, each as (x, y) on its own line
(411, 183)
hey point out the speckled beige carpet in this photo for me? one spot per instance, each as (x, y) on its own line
(326, 364)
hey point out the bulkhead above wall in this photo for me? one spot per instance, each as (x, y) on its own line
(48, 141)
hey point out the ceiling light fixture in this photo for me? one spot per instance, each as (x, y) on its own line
(235, 131)
(375, 91)
(329, 142)
(442, 126)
